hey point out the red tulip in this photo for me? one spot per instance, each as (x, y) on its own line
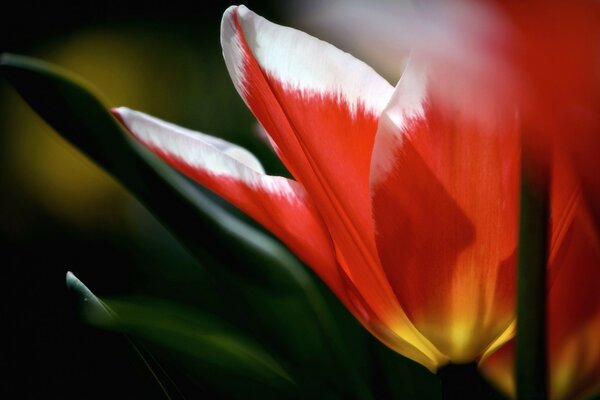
(402, 202)
(418, 241)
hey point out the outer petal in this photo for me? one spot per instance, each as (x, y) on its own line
(445, 202)
(320, 106)
(279, 204)
(574, 298)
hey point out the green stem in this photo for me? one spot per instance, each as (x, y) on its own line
(531, 363)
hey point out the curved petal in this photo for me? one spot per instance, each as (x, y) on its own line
(279, 204)
(573, 299)
(320, 106)
(445, 202)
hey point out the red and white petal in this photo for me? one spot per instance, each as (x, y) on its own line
(445, 203)
(279, 204)
(320, 107)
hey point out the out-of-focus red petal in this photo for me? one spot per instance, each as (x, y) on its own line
(445, 202)
(574, 298)
(574, 295)
(541, 55)
(279, 204)
(554, 56)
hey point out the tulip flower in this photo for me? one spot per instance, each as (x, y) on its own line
(542, 56)
(404, 204)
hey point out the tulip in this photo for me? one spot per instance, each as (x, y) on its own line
(549, 61)
(543, 57)
(403, 203)
(405, 200)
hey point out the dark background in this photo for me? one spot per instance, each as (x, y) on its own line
(60, 212)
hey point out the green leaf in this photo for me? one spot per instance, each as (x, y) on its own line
(192, 333)
(70, 106)
(189, 335)
(268, 283)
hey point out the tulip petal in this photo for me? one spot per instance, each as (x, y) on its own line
(573, 299)
(445, 204)
(320, 107)
(279, 204)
